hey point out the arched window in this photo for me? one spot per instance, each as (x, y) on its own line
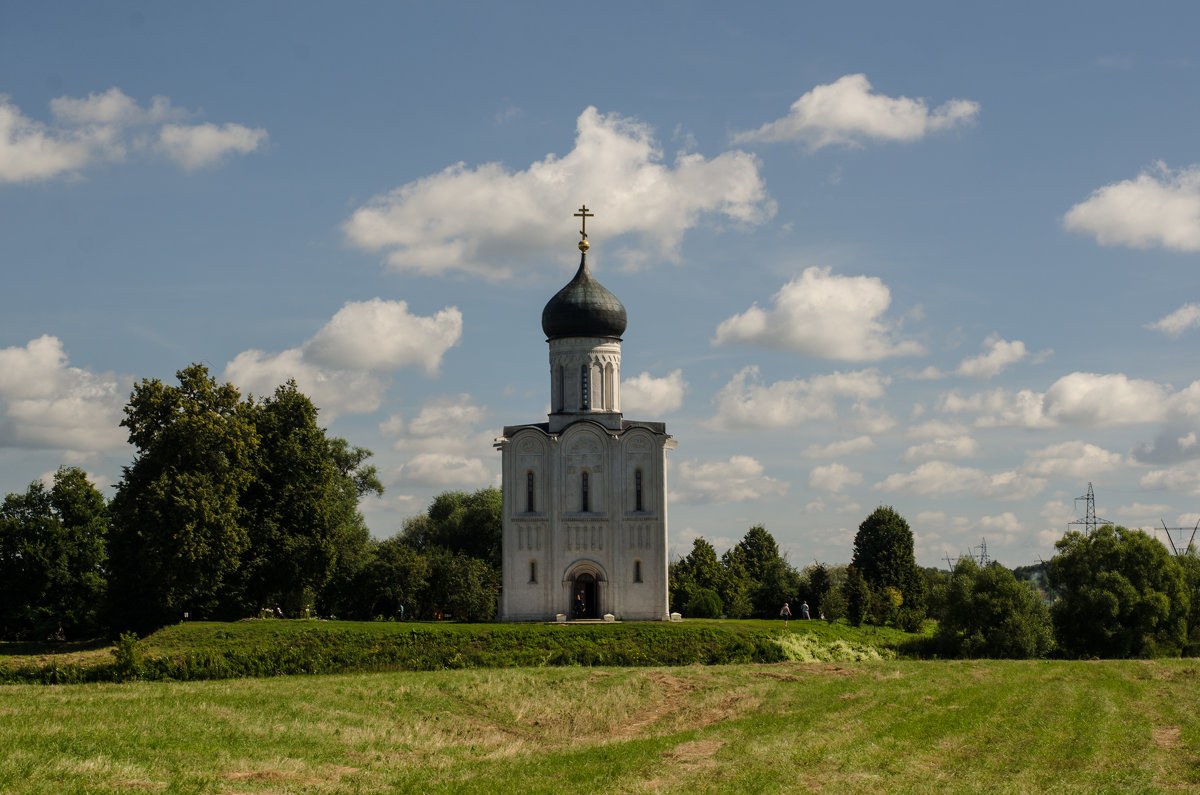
(583, 493)
(637, 491)
(637, 571)
(560, 401)
(529, 492)
(585, 388)
(610, 388)
(599, 401)
(533, 571)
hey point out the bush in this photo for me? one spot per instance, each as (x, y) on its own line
(989, 613)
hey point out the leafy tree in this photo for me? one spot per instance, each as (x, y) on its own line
(989, 613)
(52, 558)
(700, 570)
(301, 508)
(769, 579)
(1121, 595)
(819, 586)
(704, 603)
(1190, 565)
(462, 586)
(230, 504)
(857, 595)
(179, 538)
(883, 556)
(470, 524)
(389, 575)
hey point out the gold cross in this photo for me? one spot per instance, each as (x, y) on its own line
(584, 214)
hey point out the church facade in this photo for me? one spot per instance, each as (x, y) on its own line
(585, 493)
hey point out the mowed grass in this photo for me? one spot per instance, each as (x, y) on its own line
(895, 726)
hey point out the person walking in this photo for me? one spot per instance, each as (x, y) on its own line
(785, 613)
(804, 610)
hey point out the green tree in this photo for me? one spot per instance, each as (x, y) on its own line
(52, 558)
(178, 536)
(700, 570)
(883, 556)
(989, 613)
(470, 524)
(768, 579)
(301, 507)
(1121, 594)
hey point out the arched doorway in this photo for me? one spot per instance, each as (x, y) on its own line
(584, 602)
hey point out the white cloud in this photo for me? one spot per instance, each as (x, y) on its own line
(819, 314)
(448, 413)
(488, 220)
(833, 477)
(1088, 400)
(334, 391)
(739, 479)
(846, 112)
(744, 403)
(1181, 479)
(1006, 522)
(382, 335)
(1000, 354)
(339, 368)
(939, 479)
(1070, 460)
(195, 146)
(1155, 209)
(106, 127)
(446, 469)
(936, 429)
(46, 404)
(962, 446)
(653, 396)
(859, 444)
(1173, 325)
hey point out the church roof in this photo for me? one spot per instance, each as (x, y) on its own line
(584, 308)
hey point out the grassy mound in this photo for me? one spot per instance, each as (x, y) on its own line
(202, 650)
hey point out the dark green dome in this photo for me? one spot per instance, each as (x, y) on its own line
(584, 308)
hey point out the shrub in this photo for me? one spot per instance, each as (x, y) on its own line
(705, 603)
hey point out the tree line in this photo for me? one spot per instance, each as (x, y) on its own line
(1114, 592)
(234, 506)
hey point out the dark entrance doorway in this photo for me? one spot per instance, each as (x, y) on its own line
(584, 603)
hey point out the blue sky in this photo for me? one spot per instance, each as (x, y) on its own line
(940, 257)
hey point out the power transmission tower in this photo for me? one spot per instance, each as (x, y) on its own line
(1089, 520)
(1181, 549)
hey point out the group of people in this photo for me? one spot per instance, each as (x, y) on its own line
(786, 612)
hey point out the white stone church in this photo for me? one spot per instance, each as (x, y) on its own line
(585, 494)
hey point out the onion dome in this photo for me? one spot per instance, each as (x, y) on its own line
(584, 308)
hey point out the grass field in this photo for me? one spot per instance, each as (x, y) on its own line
(906, 726)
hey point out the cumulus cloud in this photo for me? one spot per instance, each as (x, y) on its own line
(1160, 207)
(739, 479)
(745, 403)
(833, 477)
(1076, 459)
(383, 335)
(999, 355)
(334, 391)
(820, 314)
(1181, 479)
(653, 396)
(444, 443)
(340, 367)
(1173, 325)
(859, 444)
(940, 479)
(847, 112)
(489, 220)
(943, 448)
(203, 145)
(445, 469)
(1088, 400)
(47, 404)
(1173, 444)
(107, 127)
